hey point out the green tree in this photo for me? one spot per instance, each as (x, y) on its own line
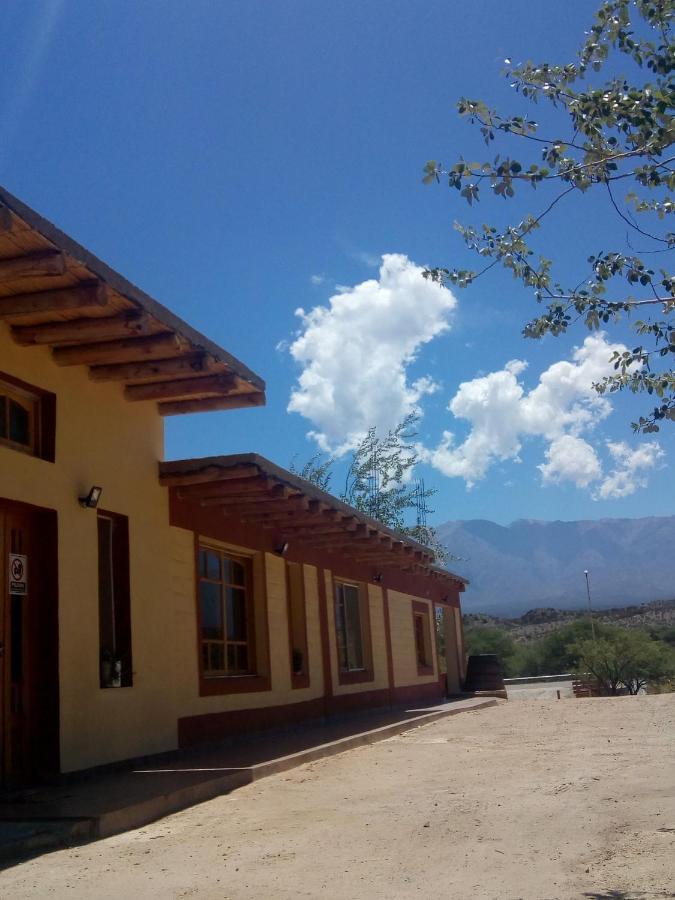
(317, 470)
(378, 481)
(555, 653)
(625, 658)
(609, 136)
(488, 639)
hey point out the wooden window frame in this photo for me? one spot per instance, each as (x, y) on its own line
(42, 415)
(366, 673)
(121, 610)
(299, 679)
(259, 680)
(422, 613)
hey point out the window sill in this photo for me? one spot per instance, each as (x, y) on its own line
(210, 685)
(356, 676)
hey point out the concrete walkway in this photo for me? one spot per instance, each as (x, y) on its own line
(96, 806)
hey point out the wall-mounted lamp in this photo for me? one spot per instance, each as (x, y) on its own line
(90, 500)
(282, 550)
(377, 577)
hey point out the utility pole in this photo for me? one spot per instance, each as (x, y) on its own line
(590, 611)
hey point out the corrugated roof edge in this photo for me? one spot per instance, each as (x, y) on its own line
(129, 290)
(189, 466)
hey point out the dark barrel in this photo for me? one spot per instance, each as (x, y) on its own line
(484, 673)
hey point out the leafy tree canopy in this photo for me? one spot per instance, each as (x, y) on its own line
(612, 136)
(378, 481)
(623, 658)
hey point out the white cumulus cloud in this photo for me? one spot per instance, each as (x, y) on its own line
(355, 352)
(562, 409)
(502, 413)
(629, 467)
(570, 458)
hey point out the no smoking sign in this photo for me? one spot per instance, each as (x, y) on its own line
(18, 573)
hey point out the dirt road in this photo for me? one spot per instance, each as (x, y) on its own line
(532, 800)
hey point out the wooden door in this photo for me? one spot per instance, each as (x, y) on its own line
(29, 683)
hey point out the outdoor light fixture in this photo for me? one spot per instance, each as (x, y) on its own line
(90, 500)
(283, 549)
(377, 577)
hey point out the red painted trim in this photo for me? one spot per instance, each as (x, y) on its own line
(45, 445)
(216, 726)
(212, 685)
(422, 609)
(211, 522)
(298, 679)
(387, 640)
(211, 727)
(356, 676)
(342, 703)
(325, 635)
(418, 693)
(367, 673)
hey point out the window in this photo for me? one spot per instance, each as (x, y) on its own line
(348, 627)
(27, 418)
(297, 625)
(352, 632)
(114, 607)
(226, 614)
(422, 633)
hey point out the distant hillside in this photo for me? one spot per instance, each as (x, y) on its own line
(531, 563)
(537, 622)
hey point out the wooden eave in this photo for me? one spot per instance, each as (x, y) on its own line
(258, 492)
(55, 293)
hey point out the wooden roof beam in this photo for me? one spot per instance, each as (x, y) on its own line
(236, 401)
(234, 484)
(81, 297)
(33, 265)
(80, 331)
(162, 390)
(158, 346)
(295, 503)
(283, 516)
(274, 496)
(245, 487)
(319, 526)
(154, 370)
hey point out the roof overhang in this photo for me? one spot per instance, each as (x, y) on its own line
(258, 492)
(55, 293)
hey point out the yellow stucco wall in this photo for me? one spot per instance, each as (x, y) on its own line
(103, 439)
(403, 640)
(377, 632)
(100, 439)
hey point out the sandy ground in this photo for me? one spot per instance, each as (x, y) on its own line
(546, 799)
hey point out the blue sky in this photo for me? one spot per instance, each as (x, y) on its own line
(242, 160)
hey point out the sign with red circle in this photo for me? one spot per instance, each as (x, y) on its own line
(18, 573)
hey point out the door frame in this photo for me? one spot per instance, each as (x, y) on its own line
(29, 713)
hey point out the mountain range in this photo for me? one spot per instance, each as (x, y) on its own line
(531, 563)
